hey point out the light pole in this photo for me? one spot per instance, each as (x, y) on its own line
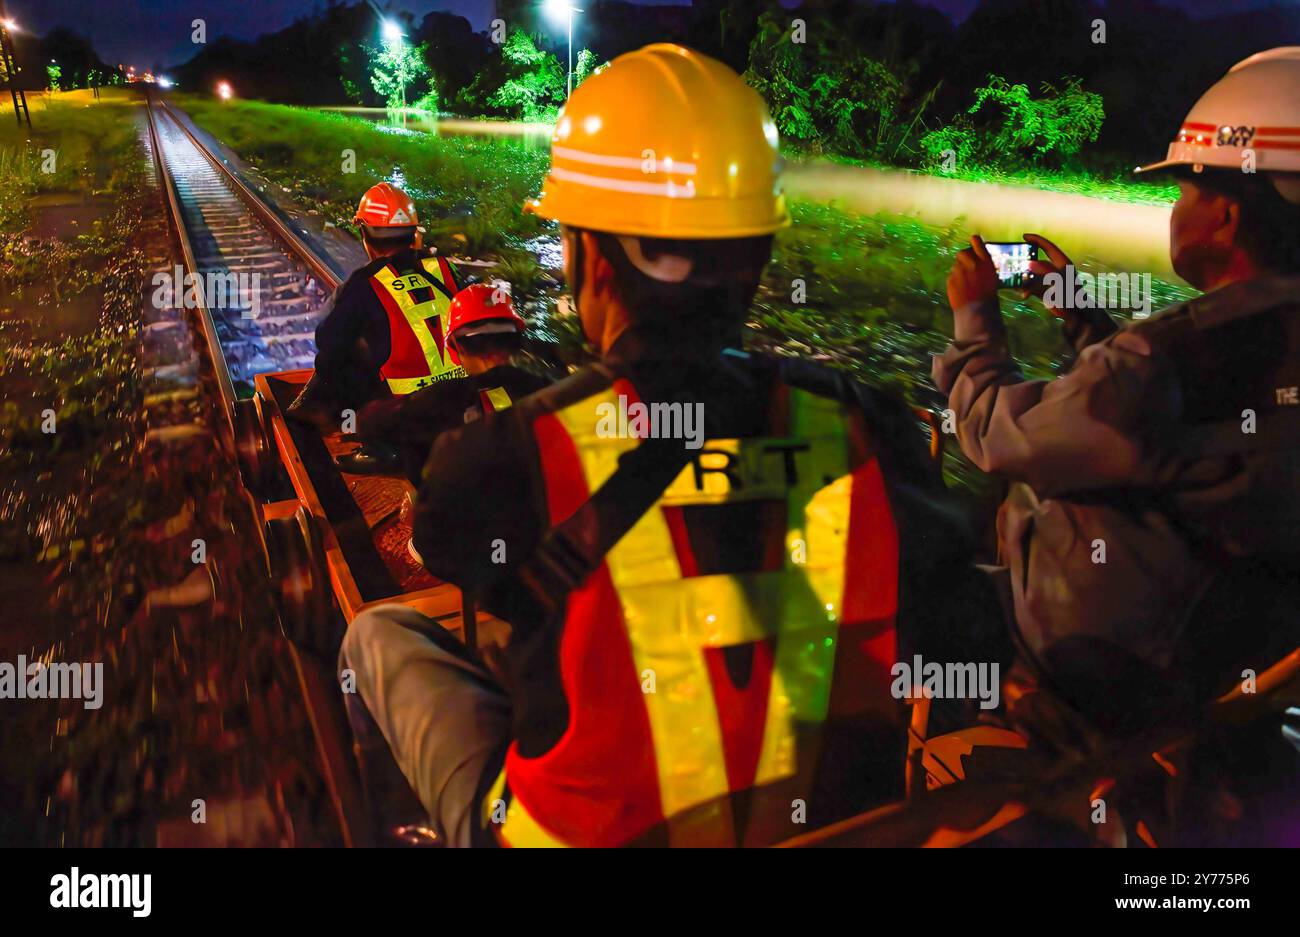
(9, 66)
(393, 34)
(566, 9)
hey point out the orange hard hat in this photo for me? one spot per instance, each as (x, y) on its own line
(385, 206)
(481, 309)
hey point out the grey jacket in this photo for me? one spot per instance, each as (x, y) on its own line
(1119, 520)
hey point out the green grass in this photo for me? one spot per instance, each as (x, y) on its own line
(88, 140)
(469, 189)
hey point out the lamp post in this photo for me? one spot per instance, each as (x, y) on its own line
(393, 34)
(9, 66)
(557, 8)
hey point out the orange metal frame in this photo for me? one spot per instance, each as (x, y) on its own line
(442, 603)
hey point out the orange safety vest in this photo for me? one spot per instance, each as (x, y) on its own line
(659, 732)
(417, 303)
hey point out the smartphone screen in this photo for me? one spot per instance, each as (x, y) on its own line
(1011, 259)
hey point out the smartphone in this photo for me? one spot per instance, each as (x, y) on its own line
(1011, 260)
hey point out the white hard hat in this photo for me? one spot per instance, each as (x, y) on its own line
(1254, 108)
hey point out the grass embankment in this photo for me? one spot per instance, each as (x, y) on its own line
(468, 190)
(98, 526)
(875, 300)
(85, 163)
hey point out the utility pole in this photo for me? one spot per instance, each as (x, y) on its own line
(9, 66)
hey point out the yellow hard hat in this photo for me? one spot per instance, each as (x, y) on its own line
(665, 142)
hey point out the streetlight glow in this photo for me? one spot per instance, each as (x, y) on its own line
(557, 9)
(393, 36)
(10, 24)
(224, 91)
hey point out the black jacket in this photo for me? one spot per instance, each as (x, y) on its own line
(353, 339)
(411, 423)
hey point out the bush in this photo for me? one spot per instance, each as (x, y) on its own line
(830, 96)
(1007, 129)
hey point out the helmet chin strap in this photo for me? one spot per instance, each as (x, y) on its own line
(578, 261)
(666, 268)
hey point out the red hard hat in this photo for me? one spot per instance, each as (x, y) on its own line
(481, 309)
(386, 206)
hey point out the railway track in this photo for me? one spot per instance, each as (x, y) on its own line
(226, 231)
(257, 290)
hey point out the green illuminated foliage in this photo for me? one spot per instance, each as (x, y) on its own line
(1007, 128)
(535, 88)
(394, 65)
(584, 66)
(826, 94)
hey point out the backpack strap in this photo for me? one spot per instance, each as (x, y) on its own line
(574, 549)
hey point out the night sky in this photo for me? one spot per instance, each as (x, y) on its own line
(142, 32)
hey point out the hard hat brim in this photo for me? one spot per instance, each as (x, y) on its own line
(1159, 166)
(488, 327)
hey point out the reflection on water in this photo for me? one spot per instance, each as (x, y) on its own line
(535, 136)
(1115, 235)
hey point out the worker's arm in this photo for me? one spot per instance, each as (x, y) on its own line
(478, 515)
(1082, 327)
(418, 416)
(343, 322)
(1096, 427)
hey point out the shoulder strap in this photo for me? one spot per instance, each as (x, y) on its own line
(439, 275)
(574, 549)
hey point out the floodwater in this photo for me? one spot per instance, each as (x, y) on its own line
(1118, 236)
(533, 135)
(1128, 237)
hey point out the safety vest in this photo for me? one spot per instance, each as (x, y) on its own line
(417, 302)
(660, 734)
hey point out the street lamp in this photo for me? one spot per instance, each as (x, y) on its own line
(556, 9)
(224, 91)
(393, 35)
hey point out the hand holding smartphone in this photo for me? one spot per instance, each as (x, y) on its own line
(1011, 259)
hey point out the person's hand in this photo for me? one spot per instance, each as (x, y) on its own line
(974, 279)
(1056, 263)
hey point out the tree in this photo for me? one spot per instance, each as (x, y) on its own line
(54, 72)
(583, 68)
(829, 94)
(393, 66)
(1007, 128)
(534, 89)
